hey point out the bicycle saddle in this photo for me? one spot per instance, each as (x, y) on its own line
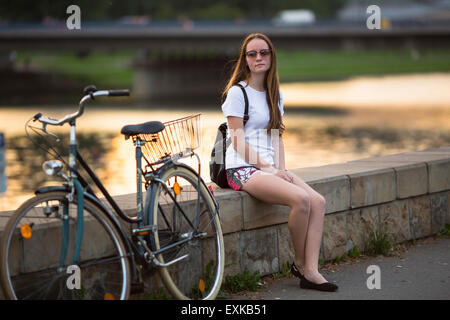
(150, 127)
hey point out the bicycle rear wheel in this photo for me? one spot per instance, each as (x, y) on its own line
(174, 211)
(38, 252)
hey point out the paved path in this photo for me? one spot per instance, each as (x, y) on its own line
(420, 272)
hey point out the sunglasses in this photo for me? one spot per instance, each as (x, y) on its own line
(254, 53)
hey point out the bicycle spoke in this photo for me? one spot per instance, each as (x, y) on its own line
(178, 236)
(43, 273)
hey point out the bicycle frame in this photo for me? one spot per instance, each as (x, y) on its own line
(76, 178)
(79, 186)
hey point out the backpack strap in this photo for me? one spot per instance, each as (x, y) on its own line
(246, 103)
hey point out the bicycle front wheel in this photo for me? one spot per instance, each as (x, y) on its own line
(47, 254)
(187, 225)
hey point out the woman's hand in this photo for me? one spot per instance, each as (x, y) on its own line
(283, 174)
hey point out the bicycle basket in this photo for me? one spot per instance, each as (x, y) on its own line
(180, 135)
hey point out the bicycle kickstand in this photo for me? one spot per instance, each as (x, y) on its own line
(151, 258)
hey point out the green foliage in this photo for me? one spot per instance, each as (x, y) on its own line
(242, 282)
(444, 232)
(379, 242)
(321, 262)
(352, 253)
(285, 270)
(115, 69)
(112, 69)
(158, 294)
(218, 11)
(336, 64)
(36, 11)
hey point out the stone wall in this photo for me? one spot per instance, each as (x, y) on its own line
(406, 194)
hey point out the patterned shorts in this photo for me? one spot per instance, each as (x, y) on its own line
(237, 176)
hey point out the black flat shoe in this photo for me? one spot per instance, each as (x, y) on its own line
(296, 272)
(328, 287)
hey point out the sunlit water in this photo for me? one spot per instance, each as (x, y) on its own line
(337, 127)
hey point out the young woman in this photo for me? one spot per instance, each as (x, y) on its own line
(255, 160)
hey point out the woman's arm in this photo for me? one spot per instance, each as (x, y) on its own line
(236, 127)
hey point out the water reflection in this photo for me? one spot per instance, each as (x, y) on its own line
(25, 158)
(314, 137)
(325, 123)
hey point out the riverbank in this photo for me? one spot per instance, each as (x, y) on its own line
(117, 69)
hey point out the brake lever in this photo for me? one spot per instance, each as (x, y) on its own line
(44, 129)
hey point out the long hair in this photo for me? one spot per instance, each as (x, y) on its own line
(271, 82)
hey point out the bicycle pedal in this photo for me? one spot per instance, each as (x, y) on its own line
(144, 230)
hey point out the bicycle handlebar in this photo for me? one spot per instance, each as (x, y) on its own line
(91, 94)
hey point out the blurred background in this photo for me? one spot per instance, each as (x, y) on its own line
(350, 92)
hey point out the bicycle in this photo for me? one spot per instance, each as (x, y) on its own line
(67, 229)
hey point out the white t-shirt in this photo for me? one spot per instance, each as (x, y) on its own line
(256, 134)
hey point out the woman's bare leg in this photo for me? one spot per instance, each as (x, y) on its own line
(314, 232)
(273, 189)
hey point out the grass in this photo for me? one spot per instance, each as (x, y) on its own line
(115, 70)
(246, 281)
(445, 233)
(379, 242)
(112, 70)
(308, 65)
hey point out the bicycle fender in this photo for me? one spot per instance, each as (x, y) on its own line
(173, 165)
(202, 182)
(51, 189)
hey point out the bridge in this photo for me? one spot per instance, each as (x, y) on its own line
(222, 38)
(173, 55)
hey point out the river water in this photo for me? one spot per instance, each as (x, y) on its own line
(325, 123)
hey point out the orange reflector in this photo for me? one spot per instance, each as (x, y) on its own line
(142, 233)
(26, 231)
(109, 296)
(201, 285)
(176, 188)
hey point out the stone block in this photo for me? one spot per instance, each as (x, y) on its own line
(334, 235)
(372, 187)
(230, 208)
(439, 175)
(336, 192)
(419, 217)
(257, 214)
(258, 250)
(439, 211)
(407, 157)
(412, 180)
(360, 223)
(126, 202)
(231, 242)
(394, 218)
(286, 251)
